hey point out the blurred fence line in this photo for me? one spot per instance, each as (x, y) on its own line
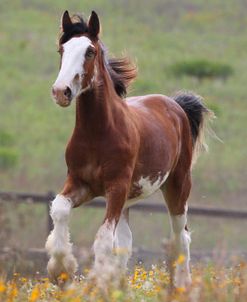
(100, 203)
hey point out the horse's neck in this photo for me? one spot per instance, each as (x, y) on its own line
(95, 110)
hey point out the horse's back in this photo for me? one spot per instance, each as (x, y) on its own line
(158, 116)
(153, 102)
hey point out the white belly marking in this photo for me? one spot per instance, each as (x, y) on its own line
(147, 187)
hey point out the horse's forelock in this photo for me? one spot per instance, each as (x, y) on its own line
(78, 27)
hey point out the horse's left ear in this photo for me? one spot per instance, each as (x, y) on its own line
(66, 22)
(94, 25)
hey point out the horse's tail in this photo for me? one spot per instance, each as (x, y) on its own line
(198, 115)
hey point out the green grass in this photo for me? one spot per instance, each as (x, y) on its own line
(156, 34)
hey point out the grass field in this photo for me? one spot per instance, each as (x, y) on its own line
(211, 283)
(156, 34)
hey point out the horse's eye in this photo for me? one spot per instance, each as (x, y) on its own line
(90, 54)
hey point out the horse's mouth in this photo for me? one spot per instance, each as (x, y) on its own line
(63, 103)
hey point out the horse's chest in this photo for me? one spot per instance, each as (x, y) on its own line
(83, 167)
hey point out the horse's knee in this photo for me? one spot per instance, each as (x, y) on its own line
(58, 240)
(60, 209)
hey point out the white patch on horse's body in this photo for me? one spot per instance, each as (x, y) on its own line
(147, 187)
(58, 243)
(72, 64)
(181, 246)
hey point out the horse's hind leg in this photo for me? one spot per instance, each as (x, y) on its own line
(176, 192)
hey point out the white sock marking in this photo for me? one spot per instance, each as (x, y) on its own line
(58, 242)
(112, 248)
(181, 240)
(123, 241)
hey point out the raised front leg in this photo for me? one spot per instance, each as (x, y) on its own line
(58, 243)
(113, 242)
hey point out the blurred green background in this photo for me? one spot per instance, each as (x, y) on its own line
(159, 35)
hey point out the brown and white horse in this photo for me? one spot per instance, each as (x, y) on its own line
(121, 148)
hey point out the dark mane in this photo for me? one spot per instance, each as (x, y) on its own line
(122, 71)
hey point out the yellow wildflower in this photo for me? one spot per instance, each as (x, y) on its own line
(151, 273)
(181, 290)
(237, 281)
(2, 287)
(138, 285)
(23, 279)
(13, 291)
(35, 294)
(64, 277)
(181, 259)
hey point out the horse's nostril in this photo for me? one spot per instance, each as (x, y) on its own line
(67, 92)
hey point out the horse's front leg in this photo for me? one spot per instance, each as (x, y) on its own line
(113, 242)
(58, 243)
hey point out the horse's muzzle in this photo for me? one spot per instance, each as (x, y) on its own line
(62, 96)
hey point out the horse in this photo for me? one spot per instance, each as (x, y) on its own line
(124, 149)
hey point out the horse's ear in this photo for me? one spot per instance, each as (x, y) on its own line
(94, 25)
(66, 22)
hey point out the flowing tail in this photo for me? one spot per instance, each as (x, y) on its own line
(198, 115)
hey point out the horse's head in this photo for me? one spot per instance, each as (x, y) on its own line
(78, 48)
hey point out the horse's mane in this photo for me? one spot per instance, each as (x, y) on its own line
(121, 70)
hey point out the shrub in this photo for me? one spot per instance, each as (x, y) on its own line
(5, 139)
(8, 155)
(8, 158)
(202, 69)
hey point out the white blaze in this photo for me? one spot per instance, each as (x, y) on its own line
(72, 63)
